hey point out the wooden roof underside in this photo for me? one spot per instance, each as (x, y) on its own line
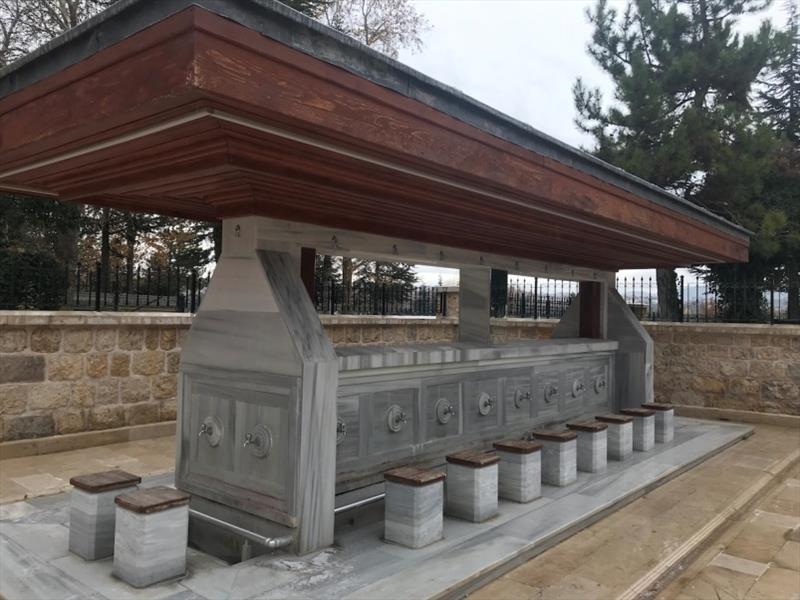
(198, 116)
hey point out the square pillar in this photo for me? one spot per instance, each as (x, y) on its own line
(152, 532)
(643, 428)
(520, 470)
(619, 439)
(471, 492)
(592, 445)
(414, 507)
(92, 514)
(665, 421)
(559, 456)
(474, 289)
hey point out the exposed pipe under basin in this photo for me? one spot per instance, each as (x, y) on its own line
(269, 542)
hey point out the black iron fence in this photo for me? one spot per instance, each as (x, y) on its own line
(89, 287)
(384, 299)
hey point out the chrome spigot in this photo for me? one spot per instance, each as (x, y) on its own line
(206, 429)
(249, 439)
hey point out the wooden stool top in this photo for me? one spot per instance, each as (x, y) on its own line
(414, 476)
(552, 435)
(656, 406)
(106, 481)
(590, 426)
(616, 419)
(518, 446)
(637, 412)
(476, 460)
(151, 500)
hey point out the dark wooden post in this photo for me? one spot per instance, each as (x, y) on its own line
(591, 309)
(308, 257)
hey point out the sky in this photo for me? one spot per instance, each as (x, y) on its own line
(521, 57)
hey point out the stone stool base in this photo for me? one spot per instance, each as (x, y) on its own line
(151, 536)
(559, 456)
(643, 428)
(520, 470)
(413, 507)
(92, 513)
(665, 422)
(592, 447)
(619, 438)
(471, 491)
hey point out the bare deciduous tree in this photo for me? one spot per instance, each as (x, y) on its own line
(386, 25)
(12, 18)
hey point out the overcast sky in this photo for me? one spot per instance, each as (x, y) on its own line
(519, 56)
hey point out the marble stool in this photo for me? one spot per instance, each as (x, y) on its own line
(592, 445)
(471, 490)
(413, 507)
(558, 456)
(92, 511)
(619, 438)
(665, 421)
(520, 470)
(151, 537)
(643, 428)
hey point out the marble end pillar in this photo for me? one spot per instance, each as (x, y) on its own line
(413, 507)
(520, 470)
(92, 514)
(644, 429)
(471, 490)
(619, 438)
(559, 456)
(152, 532)
(592, 445)
(665, 421)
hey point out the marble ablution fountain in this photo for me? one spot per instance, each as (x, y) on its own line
(303, 142)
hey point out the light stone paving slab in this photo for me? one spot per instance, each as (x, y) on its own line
(740, 565)
(361, 564)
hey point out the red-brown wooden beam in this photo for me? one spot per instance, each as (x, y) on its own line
(592, 312)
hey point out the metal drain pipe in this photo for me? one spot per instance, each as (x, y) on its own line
(270, 542)
(359, 503)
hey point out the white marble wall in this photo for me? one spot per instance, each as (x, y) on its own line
(644, 433)
(559, 462)
(414, 514)
(592, 451)
(619, 440)
(664, 426)
(91, 522)
(149, 548)
(520, 476)
(471, 493)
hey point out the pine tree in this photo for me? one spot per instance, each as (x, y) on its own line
(682, 116)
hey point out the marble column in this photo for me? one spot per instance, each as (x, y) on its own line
(559, 456)
(643, 428)
(520, 470)
(592, 445)
(665, 421)
(619, 438)
(92, 515)
(152, 531)
(413, 514)
(471, 490)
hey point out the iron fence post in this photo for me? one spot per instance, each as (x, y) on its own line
(193, 299)
(97, 287)
(772, 302)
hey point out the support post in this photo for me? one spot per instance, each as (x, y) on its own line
(592, 310)
(308, 260)
(473, 305)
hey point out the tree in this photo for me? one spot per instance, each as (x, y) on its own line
(386, 25)
(12, 43)
(682, 116)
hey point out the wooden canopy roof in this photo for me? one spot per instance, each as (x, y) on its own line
(216, 108)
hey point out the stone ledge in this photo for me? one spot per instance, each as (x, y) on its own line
(75, 317)
(731, 328)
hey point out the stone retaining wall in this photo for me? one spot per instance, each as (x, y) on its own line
(65, 372)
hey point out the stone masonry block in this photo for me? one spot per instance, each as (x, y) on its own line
(130, 338)
(97, 365)
(165, 386)
(13, 339)
(23, 428)
(45, 339)
(64, 367)
(48, 396)
(134, 389)
(16, 368)
(105, 339)
(106, 417)
(145, 412)
(120, 364)
(78, 340)
(149, 362)
(14, 399)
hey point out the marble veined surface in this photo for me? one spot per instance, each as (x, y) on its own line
(36, 563)
(354, 358)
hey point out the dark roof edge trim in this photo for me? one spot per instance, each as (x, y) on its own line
(283, 24)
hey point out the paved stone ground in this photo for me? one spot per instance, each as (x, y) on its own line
(606, 559)
(33, 476)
